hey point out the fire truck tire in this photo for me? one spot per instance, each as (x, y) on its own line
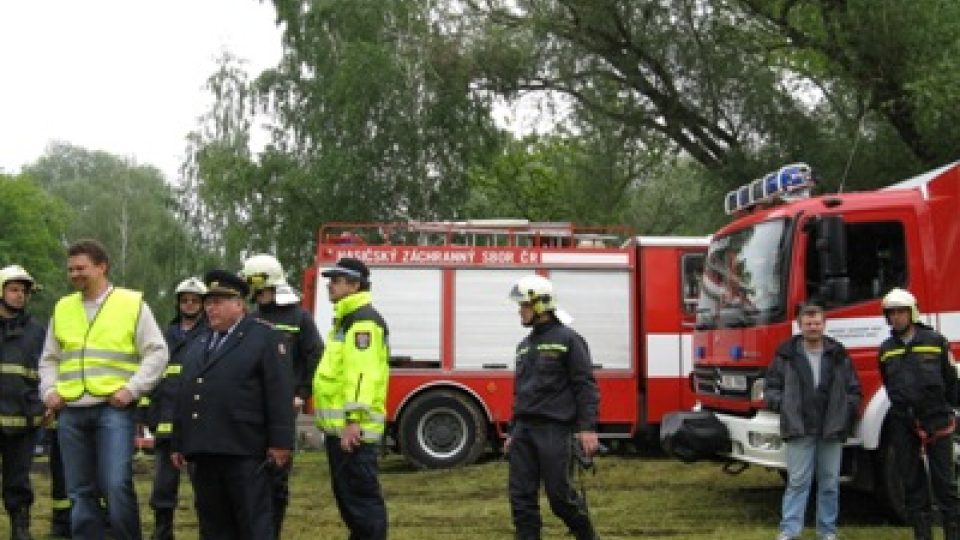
(441, 429)
(889, 484)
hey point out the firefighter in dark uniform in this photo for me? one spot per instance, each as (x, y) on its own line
(918, 371)
(350, 390)
(158, 408)
(233, 419)
(554, 414)
(21, 411)
(277, 303)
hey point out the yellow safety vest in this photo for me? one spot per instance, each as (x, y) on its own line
(351, 380)
(99, 356)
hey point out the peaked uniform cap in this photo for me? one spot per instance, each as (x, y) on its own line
(349, 267)
(224, 283)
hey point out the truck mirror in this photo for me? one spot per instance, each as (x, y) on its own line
(836, 289)
(832, 244)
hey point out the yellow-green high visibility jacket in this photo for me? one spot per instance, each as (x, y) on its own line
(350, 383)
(99, 356)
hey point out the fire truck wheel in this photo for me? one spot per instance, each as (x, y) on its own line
(442, 428)
(889, 484)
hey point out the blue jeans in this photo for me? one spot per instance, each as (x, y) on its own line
(97, 447)
(806, 455)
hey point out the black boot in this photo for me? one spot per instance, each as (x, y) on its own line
(163, 518)
(585, 532)
(921, 522)
(60, 523)
(20, 524)
(951, 527)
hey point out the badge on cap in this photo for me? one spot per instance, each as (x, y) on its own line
(361, 340)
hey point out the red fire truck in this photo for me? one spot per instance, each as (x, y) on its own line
(442, 288)
(843, 250)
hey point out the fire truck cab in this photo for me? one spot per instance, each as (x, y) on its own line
(442, 288)
(845, 251)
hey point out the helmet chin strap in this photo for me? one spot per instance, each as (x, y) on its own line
(11, 309)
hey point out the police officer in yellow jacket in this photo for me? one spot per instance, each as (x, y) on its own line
(350, 393)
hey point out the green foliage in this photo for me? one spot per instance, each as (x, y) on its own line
(32, 222)
(130, 209)
(372, 118)
(629, 496)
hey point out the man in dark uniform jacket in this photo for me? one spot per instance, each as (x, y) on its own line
(21, 341)
(188, 324)
(278, 304)
(554, 407)
(918, 371)
(233, 419)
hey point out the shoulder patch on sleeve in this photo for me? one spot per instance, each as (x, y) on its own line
(361, 340)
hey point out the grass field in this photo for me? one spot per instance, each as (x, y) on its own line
(631, 497)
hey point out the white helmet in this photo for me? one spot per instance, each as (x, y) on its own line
(536, 290)
(901, 298)
(191, 285)
(15, 272)
(262, 271)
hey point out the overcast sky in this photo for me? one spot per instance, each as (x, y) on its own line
(122, 76)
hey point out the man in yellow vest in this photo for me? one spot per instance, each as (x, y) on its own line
(103, 351)
(350, 394)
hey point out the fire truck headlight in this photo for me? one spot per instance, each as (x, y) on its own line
(756, 391)
(764, 441)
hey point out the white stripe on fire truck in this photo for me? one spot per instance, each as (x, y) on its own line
(617, 259)
(669, 355)
(869, 332)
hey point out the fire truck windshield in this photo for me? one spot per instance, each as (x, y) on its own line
(744, 277)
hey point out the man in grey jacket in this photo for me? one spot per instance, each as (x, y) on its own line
(812, 384)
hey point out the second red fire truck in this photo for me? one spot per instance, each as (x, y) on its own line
(845, 251)
(442, 288)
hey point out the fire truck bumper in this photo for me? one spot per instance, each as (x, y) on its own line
(755, 440)
(693, 435)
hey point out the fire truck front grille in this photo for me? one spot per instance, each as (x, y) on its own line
(725, 381)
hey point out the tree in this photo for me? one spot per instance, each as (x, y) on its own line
(130, 209)
(740, 86)
(33, 223)
(371, 118)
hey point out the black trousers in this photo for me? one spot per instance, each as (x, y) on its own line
(543, 453)
(58, 486)
(17, 453)
(916, 486)
(166, 478)
(356, 488)
(232, 497)
(280, 487)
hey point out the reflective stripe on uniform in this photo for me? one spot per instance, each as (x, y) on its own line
(60, 504)
(927, 349)
(17, 420)
(13, 369)
(100, 353)
(552, 347)
(174, 369)
(891, 353)
(165, 428)
(287, 328)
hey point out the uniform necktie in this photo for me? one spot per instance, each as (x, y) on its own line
(217, 340)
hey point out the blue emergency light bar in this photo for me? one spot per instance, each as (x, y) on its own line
(790, 182)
